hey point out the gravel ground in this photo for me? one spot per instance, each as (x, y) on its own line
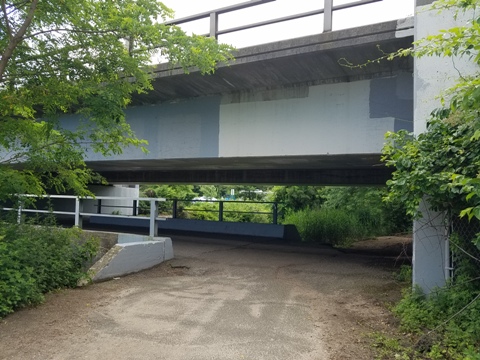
(220, 300)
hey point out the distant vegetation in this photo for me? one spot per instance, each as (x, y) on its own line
(341, 215)
(335, 215)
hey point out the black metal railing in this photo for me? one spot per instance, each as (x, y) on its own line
(223, 208)
(218, 210)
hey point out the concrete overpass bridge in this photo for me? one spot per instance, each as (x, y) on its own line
(287, 112)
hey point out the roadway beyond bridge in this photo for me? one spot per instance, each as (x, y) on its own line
(283, 113)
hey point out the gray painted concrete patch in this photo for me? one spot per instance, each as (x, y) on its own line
(393, 97)
(127, 258)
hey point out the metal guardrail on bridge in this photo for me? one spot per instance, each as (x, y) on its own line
(172, 208)
(79, 214)
(327, 11)
(152, 209)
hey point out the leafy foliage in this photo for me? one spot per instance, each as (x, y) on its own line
(444, 325)
(86, 58)
(326, 226)
(435, 164)
(366, 204)
(232, 211)
(444, 162)
(443, 165)
(295, 198)
(37, 259)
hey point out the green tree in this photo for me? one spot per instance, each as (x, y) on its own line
(180, 192)
(443, 163)
(209, 191)
(295, 198)
(367, 205)
(84, 57)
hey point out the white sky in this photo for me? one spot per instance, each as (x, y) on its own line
(361, 15)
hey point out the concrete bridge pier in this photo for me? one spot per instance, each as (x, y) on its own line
(432, 75)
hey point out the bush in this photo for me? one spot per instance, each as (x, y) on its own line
(376, 216)
(37, 259)
(247, 212)
(232, 211)
(444, 325)
(331, 226)
(200, 211)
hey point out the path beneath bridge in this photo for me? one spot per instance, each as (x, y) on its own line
(217, 300)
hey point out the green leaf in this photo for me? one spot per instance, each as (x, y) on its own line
(70, 59)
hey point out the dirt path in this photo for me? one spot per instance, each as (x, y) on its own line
(217, 300)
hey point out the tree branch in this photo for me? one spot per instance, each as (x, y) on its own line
(7, 21)
(17, 38)
(113, 31)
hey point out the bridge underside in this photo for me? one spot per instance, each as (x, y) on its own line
(288, 112)
(358, 169)
(313, 60)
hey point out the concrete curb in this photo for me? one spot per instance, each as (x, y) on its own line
(131, 254)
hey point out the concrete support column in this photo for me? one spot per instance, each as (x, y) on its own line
(431, 256)
(432, 76)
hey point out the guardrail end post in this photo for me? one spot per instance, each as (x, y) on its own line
(153, 218)
(78, 210)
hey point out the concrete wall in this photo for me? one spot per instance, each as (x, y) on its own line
(339, 118)
(121, 207)
(131, 253)
(431, 77)
(182, 226)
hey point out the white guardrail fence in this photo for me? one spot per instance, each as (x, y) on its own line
(79, 212)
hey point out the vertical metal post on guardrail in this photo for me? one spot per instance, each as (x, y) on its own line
(153, 218)
(99, 206)
(19, 211)
(213, 25)
(275, 213)
(134, 210)
(220, 211)
(78, 210)
(174, 208)
(327, 15)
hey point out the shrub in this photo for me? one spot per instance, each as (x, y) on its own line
(37, 259)
(375, 216)
(445, 324)
(200, 211)
(248, 212)
(331, 226)
(232, 211)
